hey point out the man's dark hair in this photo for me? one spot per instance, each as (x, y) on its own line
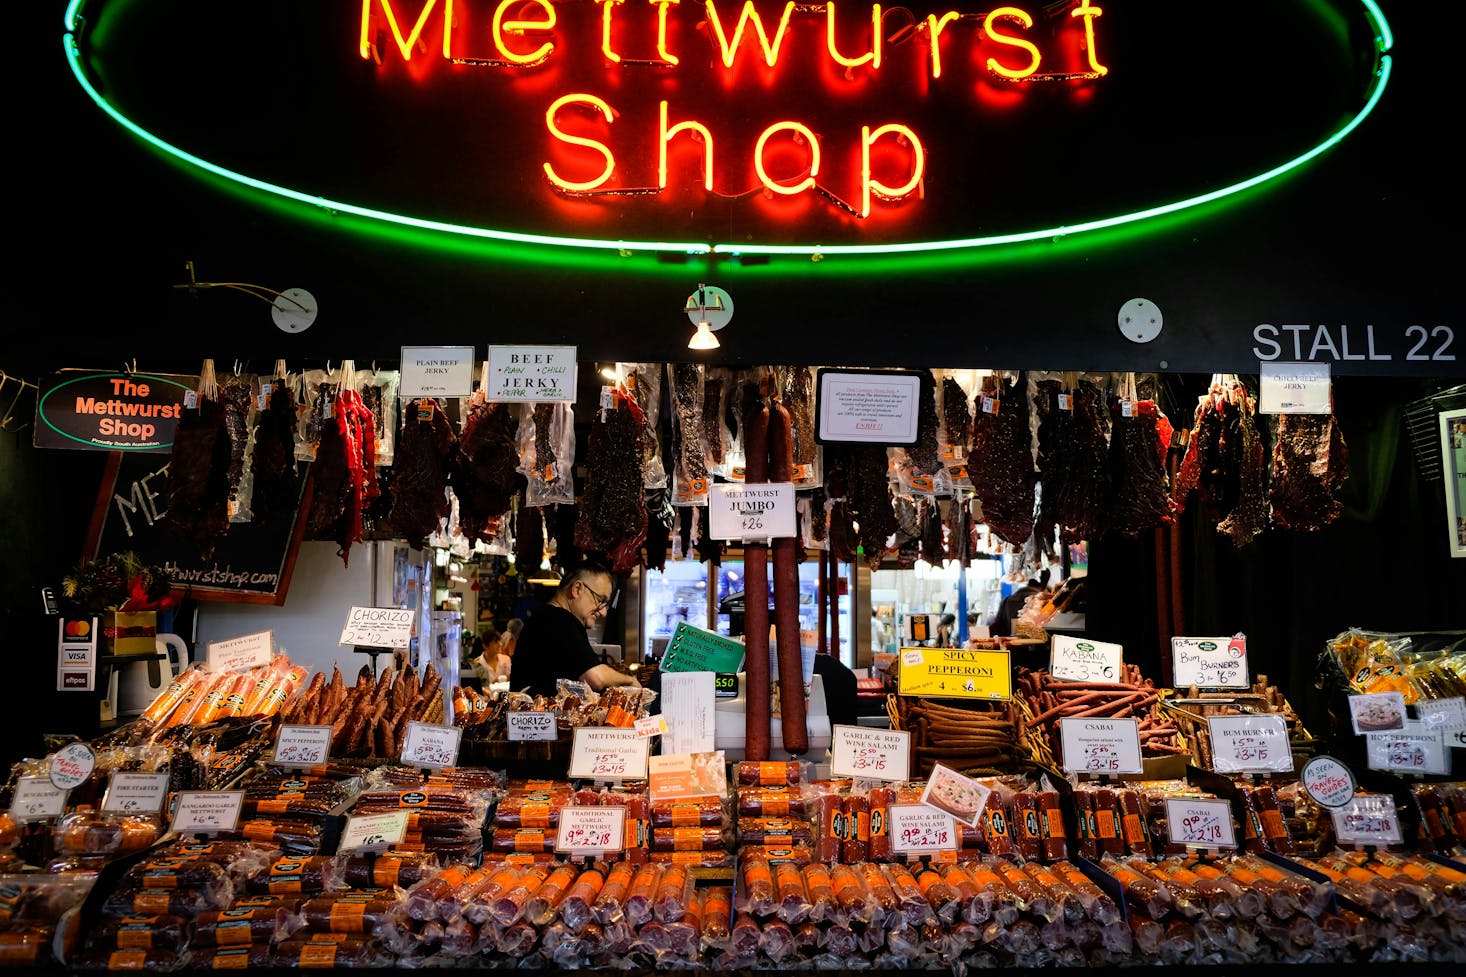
(584, 570)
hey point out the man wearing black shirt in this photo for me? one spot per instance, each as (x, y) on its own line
(554, 645)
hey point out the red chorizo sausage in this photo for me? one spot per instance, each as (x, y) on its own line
(755, 586)
(786, 594)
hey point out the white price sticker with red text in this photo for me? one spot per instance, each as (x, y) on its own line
(1368, 819)
(1200, 822)
(917, 829)
(1250, 743)
(609, 754)
(870, 754)
(1100, 746)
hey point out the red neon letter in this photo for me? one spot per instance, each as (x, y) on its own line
(564, 136)
(873, 55)
(666, 137)
(814, 158)
(934, 30)
(404, 44)
(662, 52)
(746, 16)
(606, 7)
(869, 183)
(502, 26)
(1024, 19)
(1089, 14)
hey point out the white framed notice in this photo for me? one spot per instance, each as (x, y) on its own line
(300, 747)
(240, 654)
(1368, 819)
(870, 754)
(687, 710)
(135, 793)
(1210, 663)
(609, 754)
(591, 830)
(431, 745)
(917, 829)
(1293, 388)
(1248, 743)
(867, 406)
(1101, 746)
(1201, 822)
(525, 725)
(378, 627)
(531, 374)
(373, 832)
(1074, 659)
(207, 811)
(1445, 715)
(739, 511)
(1453, 464)
(36, 798)
(436, 371)
(1414, 750)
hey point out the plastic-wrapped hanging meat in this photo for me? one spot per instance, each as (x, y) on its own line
(236, 393)
(933, 549)
(612, 516)
(1055, 427)
(1249, 515)
(1000, 464)
(272, 459)
(544, 445)
(687, 403)
(842, 532)
(659, 519)
(925, 454)
(359, 432)
(485, 471)
(529, 537)
(331, 481)
(798, 398)
(1310, 462)
(714, 395)
(425, 446)
(871, 500)
(198, 476)
(1138, 499)
(956, 415)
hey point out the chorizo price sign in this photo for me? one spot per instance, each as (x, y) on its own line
(207, 811)
(373, 832)
(1200, 822)
(609, 754)
(1368, 819)
(956, 673)
(1100, 746)
(430, 745)
(378, 627)
(870, 754)
(302, 746)
(917, 829)
(763, 511)
(527, 725)
(1250, 743)
(591, 830)
(1210, 663)
(1081, 660)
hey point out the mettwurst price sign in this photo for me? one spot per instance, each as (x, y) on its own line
(871, 754)
(917, 829)
(609, 754)
(763, 511)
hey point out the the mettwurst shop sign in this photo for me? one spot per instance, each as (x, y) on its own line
(110, 411)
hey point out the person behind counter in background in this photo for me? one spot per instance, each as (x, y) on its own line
(946, 631)
(880, 632)
(554, 643)
(491, 664)
(1012, 605)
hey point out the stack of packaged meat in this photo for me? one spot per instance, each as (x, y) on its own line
(447, 809)
(775, 810)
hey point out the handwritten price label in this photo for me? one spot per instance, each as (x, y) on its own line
(1080, 660)
(609, 754)
(1416, 749)
(1199, 822)
(1100, 746)
(1368, 819)
(374, 832)
(763, 511)
(1211, 663)
(207, 811)
(302, 746)
(1250, 743)
(72, 765)
(870, 754)
(525, 726)
(135, 793)
(36, 799)
(430, 745)
(591, 830)
(917, 829)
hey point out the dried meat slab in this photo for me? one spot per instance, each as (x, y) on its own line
(1310, 462)
(1000, 465)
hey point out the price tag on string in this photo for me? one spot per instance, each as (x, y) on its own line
(526, 726)
(1245, 743)
(873, 754)
(135, 793)
(430, 745)
(1074, 659)
(373, 832)
(1368, 819)
(591, 830)
(207, 811)
(1201, 822)
(916, 829)
(302, 747)
(36, 798)
(1100, 746)
(1210, 663)
(609, 754)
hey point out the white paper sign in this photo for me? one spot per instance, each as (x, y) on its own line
(1293, 388)
(1328, 781)
(591, 830)
(1200, 822)
(1368, 819)
(525, 725)
(430, 745)
(373, 832)
(72, 765)
(1074, 659)
(871, 754)
(532, 374)
(1375, 712)
(242, 653)
(1210, 663)
(302, 746)
(207, 811)
(609, 754)
(917, 829)
(1101, 746)
(1445, 715)
(436, 371)
(737, 511)
(378, 627)
(863, 406)
(687, 708)
(36, 798)
(1250, 743)
(135, 793)
(1413, 750)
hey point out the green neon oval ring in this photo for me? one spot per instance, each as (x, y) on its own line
(1384, 41)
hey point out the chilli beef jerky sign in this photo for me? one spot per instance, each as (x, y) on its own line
(110, 411)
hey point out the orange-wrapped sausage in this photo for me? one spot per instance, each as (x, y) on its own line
(774, 832)
(687, 812)
(769, 773)
(240, 927)
(689, 839)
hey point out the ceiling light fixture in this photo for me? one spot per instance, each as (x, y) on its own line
(709, 308)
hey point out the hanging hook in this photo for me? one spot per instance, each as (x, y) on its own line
(20, 388)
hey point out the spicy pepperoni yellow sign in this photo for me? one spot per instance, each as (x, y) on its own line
(956, 673)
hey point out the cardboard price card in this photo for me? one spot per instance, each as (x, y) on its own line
(1200, 822)
(870, 754)
(1368, 819)
(378, 627)
(1210, 663)
(1413, 750)
(1100, 746)
(430, 745)
(956, 673)
(242, 653)
(523, 726)
(207, 811)
(1074, 659)
(917, 829)
(591, 830)
(36, 798)
(299, 747)
(609, 754)
(374, 832)
(1250, 743)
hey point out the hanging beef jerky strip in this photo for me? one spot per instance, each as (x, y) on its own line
(544, 447)
(819, 518)
(1188, 474)
(485, 474)
(1310, 462)
(1083, 466)
(1055, 427)
(933, 547)
(198, 485)
(1000, 464)
(1249, 516)
(925, 454)
(425, 446)
(331, 474)
(687, 390)
(712, 417)
(870, 498)
(272, 462)
(236, 394)
(956, 417)
(612, 515)
(529, 537)
(1138, 497)
(799, 400)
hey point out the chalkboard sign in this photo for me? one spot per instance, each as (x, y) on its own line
(251, 564)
